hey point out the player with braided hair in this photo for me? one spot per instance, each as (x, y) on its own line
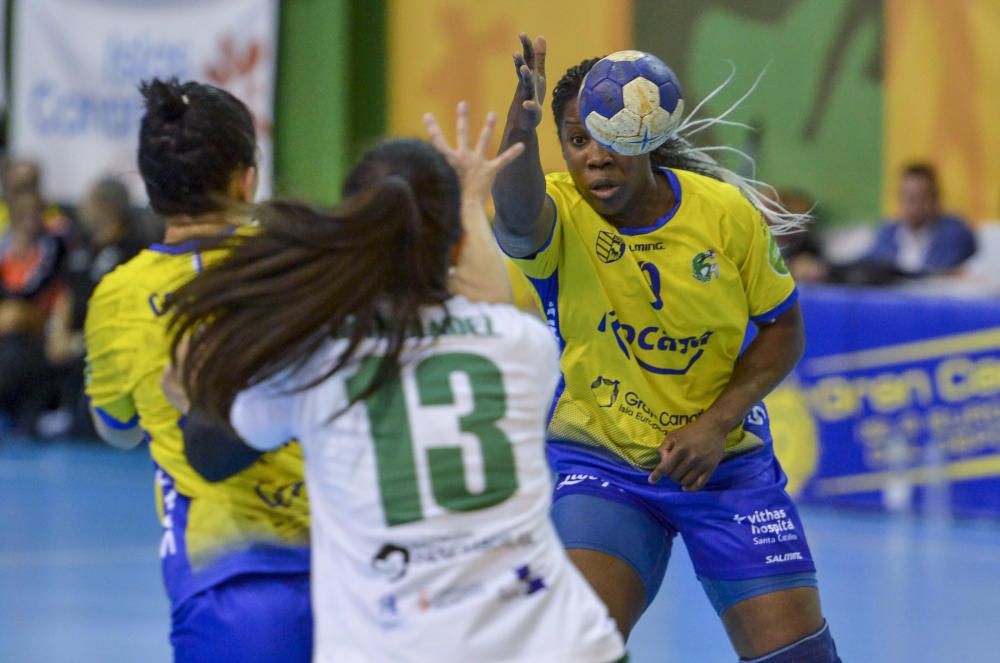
(650, 270)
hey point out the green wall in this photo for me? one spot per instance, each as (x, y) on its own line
(311, 131)
(818, 110)
(330, 92)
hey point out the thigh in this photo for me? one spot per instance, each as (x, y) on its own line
(743, 528)
(618, 547)
(253, 618)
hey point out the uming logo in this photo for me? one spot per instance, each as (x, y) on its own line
(610, 247)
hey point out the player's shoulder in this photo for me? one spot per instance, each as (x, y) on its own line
(719, 208)
(504, 321)
(711, 191)
(123, 278)
(560, 187)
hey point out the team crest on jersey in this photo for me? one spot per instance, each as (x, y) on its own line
(605, 391)
(774, 257)
(703, 266)
(610, 247)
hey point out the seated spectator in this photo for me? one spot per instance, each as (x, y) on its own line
(923, 241)
(801, 249)
(25, 177)
(110, 237)
(35, 313)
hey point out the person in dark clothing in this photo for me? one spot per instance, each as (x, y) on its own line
(111, 237)
(35, 310)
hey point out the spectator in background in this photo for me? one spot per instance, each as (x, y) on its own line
(923, 241)
(801, 249)
(21, 176)
(111, 237)
(35, 312)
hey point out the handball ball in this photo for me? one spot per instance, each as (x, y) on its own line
(630, 102)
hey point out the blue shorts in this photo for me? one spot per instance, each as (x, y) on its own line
(742, 530)
(249, 618)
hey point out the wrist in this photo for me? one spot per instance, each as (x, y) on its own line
(720, 419)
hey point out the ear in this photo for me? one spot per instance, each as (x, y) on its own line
(244, 184)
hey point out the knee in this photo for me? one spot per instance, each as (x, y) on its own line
(816, 648)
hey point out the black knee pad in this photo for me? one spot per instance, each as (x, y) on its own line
(816, 648)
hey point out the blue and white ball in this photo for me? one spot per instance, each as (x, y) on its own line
(630, 101)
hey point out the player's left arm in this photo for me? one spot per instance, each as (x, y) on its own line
(689, 455)
(480, 273)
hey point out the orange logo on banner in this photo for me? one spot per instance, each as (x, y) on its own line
(234, 70)
(943, 99)
(445, 51)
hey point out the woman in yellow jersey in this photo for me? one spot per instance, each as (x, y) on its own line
(650, 270)
(235, 554)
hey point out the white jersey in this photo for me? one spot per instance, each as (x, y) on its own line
(430, 500)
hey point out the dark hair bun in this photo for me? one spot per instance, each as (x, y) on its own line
(164, 99)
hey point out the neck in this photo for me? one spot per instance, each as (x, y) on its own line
(181, 228)
(654, 200)
(919, 224)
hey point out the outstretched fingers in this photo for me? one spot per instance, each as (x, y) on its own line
(462, 127)
(436, 136)
(486, 133)
(538, 63)
(514, 151)
(528, 49)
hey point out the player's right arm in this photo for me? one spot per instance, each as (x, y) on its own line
(525, 215)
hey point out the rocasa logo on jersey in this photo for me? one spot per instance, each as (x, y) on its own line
(652, 347)
(610, 247)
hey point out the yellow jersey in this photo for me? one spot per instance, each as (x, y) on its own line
(254, 521)
(652, 320)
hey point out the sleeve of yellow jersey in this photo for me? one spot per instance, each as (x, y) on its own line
(545, 260)
(769, 286)
(111, 356)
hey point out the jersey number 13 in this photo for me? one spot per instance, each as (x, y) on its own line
(389, 420)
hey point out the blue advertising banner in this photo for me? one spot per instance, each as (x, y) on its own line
(896, 403)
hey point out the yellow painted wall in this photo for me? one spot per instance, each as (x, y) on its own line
(942, 101)
(445, 51)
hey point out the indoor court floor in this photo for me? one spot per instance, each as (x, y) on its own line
(79, 575)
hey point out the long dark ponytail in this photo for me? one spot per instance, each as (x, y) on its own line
(362, 270)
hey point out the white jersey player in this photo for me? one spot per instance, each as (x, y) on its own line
(430, 499)
(421, 415)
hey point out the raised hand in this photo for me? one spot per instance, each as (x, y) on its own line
(475, 169)
(530, 67)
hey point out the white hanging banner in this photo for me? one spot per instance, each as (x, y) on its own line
(77, 64)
